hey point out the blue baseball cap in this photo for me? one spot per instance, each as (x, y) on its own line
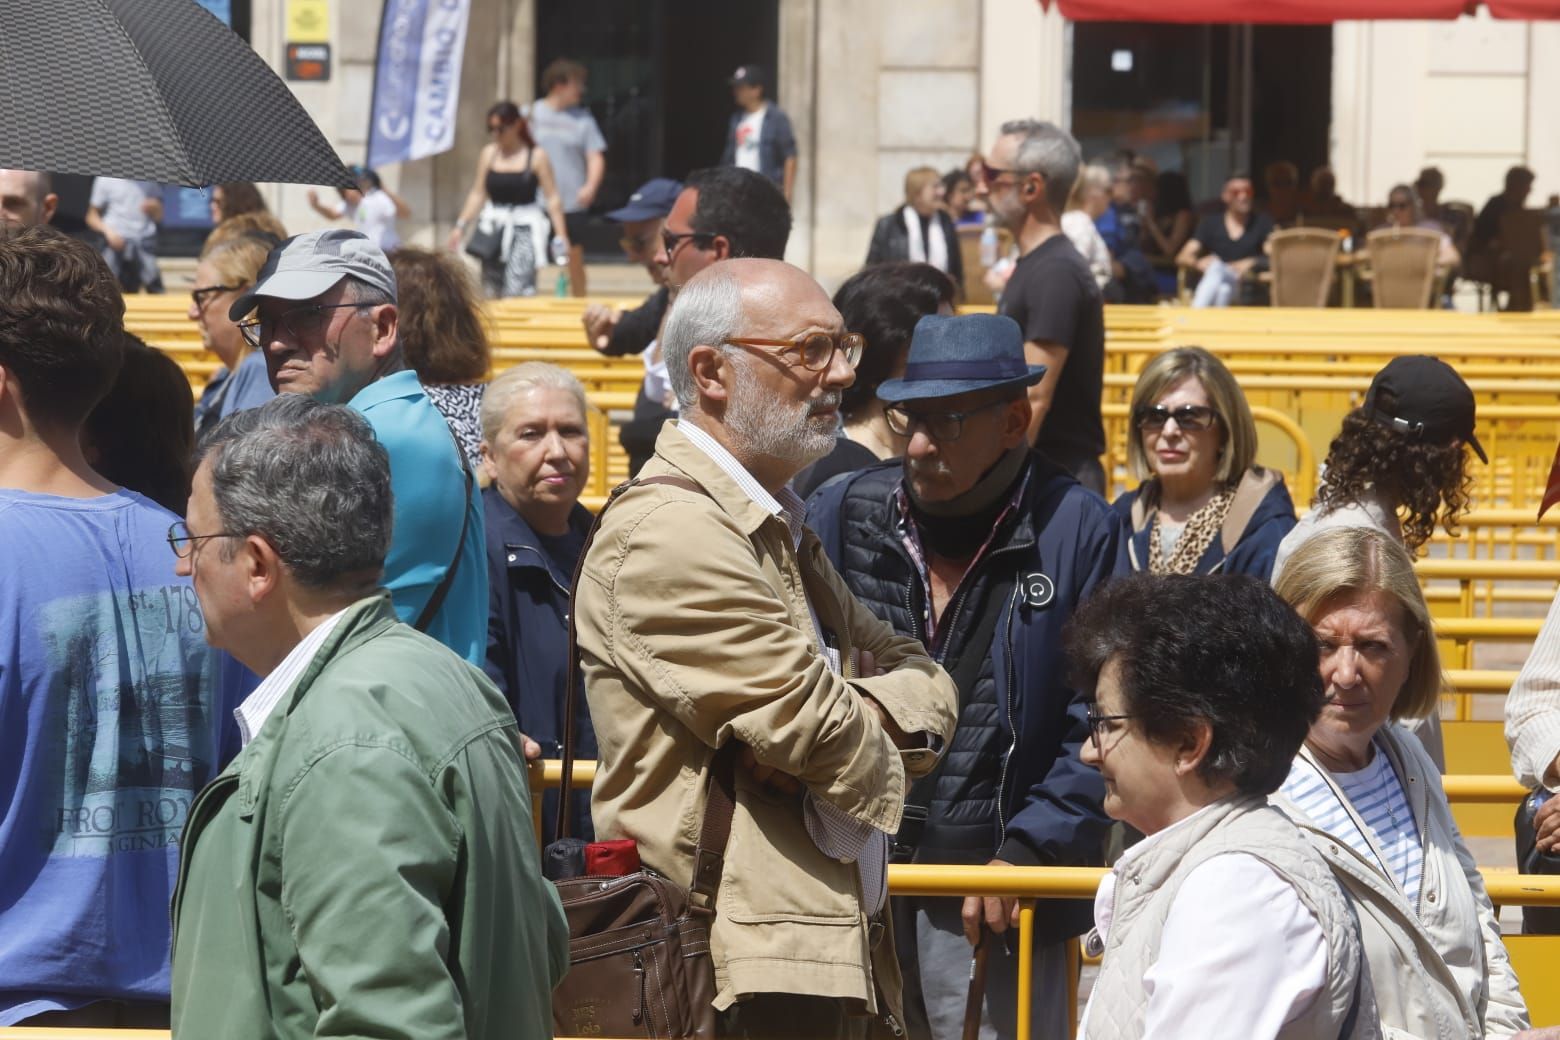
(652, 201)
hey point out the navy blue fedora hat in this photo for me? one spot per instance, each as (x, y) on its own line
(954, 354)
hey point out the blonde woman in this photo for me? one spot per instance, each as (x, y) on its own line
(920, 230)
(1203, 504)
(1090, 198)
(1369, 798)
(227, 266)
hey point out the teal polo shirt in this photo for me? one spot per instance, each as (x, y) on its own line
(428, 485)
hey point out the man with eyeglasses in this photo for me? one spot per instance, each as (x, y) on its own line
(325, 317)
(713, 634)
(113, 707)
(719, 213)
(1052, 293)
(367, 865)
(982, 548)
(1227, 246)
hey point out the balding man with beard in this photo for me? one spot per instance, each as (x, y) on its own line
(713, 630)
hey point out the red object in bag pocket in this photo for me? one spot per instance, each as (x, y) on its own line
(616, 858)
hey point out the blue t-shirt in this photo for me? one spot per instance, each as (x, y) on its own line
(430, 491)
(247, 386)
(112, 716)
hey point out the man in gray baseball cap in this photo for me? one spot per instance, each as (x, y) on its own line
(325, 316)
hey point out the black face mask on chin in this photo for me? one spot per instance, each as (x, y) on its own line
(956, 529)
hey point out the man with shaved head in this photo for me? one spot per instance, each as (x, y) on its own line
(26, 198)
(719, 645)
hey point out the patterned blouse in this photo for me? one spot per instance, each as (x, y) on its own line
(461, 406)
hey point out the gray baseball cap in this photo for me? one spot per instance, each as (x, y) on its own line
(305, 266)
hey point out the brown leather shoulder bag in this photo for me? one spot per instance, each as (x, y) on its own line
(639, 945)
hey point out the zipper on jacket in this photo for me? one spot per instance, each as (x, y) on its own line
(545, 565)
(1007, 643)
(639, 976)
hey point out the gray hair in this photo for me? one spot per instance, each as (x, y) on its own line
(364, 295)
(1050, 151)
(312, 480)
(529, 375)
(707, 311)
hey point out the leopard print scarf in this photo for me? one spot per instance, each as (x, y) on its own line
(1202, 527)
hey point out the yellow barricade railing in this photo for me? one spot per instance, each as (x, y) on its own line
(1026, 884)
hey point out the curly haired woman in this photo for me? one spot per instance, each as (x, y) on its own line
(1399, 465)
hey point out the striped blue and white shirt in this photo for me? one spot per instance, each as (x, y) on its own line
(1377, 796)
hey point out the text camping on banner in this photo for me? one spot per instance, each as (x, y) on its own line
(416, 79)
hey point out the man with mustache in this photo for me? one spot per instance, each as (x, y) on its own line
(325, 318)
(982, 548)
(713, 630)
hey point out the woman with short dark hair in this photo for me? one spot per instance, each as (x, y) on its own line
(1222, 921)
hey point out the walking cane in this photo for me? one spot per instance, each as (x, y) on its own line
(977, 992)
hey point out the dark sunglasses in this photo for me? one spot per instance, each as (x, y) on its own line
(815, 349)
(990, 173)
(1188, 417)
(300, 322)
(205, 292)
(671, 241)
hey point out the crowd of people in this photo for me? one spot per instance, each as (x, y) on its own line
(280, 660)
(1145, 238)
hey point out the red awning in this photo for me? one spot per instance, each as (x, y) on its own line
(1295, 12)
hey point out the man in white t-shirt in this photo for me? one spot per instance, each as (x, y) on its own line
(373, 208)
(759, 137)
(126, 214)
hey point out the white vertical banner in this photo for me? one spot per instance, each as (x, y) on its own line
(417, 79)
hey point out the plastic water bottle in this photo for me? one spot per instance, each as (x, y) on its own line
(560, 258)
(988, 246)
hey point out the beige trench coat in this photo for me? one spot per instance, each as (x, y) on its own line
(694, 631)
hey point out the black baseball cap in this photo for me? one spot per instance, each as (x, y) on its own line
(1423, 396)
(748, 75)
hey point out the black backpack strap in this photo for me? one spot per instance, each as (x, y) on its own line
(431, 609)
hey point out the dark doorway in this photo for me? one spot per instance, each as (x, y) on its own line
(1203, 99)
(658, 72)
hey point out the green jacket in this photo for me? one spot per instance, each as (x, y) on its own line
(367, 865)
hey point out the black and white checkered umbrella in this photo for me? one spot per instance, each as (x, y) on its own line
(149, 89)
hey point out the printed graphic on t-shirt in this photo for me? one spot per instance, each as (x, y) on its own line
(129, 738)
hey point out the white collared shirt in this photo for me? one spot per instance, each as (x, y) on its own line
(835, 832)
(1239, 956)
(259, 705)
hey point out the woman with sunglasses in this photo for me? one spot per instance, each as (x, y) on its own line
(1203, 504)
(511, 232)
(1223, 921)
(1404, 211)
(226, 268)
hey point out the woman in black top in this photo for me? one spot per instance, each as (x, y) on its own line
(512, 232)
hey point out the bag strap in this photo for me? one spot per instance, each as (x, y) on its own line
(435, 601)
(571, 681)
